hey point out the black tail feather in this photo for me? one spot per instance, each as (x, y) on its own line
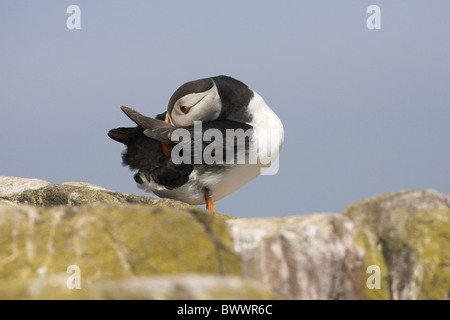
(120, 134)
(145, 154)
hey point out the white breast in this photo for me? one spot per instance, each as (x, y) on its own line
(269, 131)
(267, 140)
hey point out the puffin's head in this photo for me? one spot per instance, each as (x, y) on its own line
(197, 100)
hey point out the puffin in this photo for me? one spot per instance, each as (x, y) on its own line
(215, 136)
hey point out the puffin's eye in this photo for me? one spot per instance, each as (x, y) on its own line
(184, 109)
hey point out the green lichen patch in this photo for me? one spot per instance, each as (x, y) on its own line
(413, 230)
(366, 240)
(84, 194)
(111, 241)
(429, 235)
(56, 195)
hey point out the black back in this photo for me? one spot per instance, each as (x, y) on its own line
(235, 96)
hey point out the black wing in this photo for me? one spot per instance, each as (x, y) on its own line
(161, 130)
(146, 155)
(144, 152)
(240, 133)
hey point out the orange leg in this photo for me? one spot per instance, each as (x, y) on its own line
(209, 202)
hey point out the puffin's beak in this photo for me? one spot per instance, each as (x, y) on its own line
(165, 147)
(168, 119)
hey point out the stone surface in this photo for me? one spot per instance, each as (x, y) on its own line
(163, 287)
(10, 186)
(413, 231)
(187, 287)
(367, 241)
(76, 194)
(301, 257)
(137, 247)
(109, 242)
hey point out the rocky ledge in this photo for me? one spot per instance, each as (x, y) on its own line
(81, 241)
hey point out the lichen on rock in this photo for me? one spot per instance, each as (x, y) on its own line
(413, 230)
(137, 247)
(114, 241)
(109, 235)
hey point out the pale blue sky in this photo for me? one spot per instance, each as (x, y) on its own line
(365, 111)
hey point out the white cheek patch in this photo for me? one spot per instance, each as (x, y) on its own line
(210, 106)
(205, 106)
(191, 99)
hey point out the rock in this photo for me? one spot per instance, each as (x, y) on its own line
(10, 186)
(131, 247)
(301, 257)
(367, 241)
(167, 287)
(42, 193)
(413, 230)
(186, 287)
(84, 184)
(110, 241)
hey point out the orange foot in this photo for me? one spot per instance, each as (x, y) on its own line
(209, 202)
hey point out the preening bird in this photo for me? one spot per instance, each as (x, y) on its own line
(215, 136)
